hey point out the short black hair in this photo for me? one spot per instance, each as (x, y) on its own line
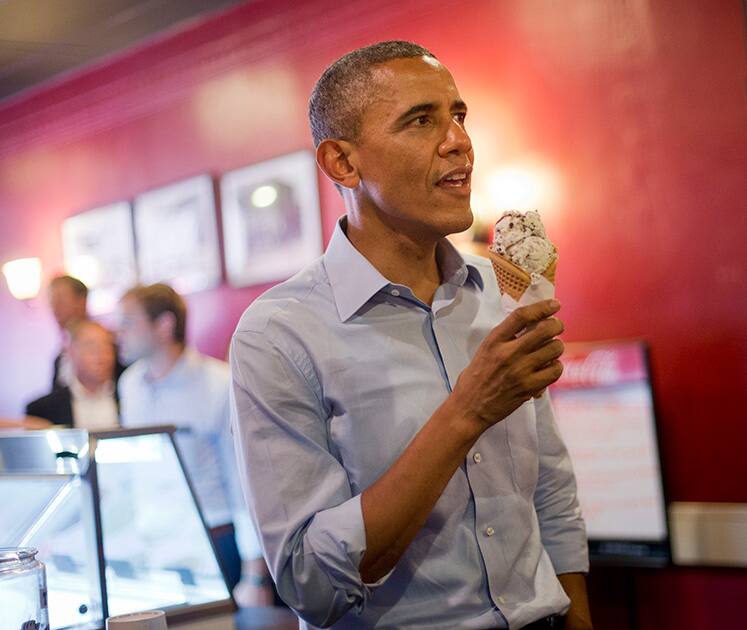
(75, 285)
(342, 92)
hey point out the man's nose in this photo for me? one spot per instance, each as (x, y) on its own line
(457, 140)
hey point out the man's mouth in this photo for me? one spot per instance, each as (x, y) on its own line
(459, 179)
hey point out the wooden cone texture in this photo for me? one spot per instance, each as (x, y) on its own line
(513, 279)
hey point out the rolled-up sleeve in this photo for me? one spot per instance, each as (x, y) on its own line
(309, 523)
(562, 527)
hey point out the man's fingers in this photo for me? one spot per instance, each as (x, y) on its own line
(524, 316)
(551, 351)
(546, 376)
(540, 333)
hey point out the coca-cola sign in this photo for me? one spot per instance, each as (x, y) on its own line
(603, 364)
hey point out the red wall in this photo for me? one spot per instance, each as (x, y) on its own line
(637, 108)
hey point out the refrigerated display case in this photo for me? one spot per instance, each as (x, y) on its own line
(115, 520)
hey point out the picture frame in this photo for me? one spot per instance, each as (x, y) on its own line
(99, 249)
(271, 219)
(177, 236)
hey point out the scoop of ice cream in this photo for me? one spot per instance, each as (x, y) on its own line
(533, 254)
(522, 239)
(515, 226)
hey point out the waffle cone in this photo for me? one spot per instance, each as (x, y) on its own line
(512, 279)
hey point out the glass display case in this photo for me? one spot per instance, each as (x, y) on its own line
(116, 522)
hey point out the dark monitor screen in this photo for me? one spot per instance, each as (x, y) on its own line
(604, 408)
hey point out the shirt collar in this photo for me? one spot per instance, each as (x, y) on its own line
(79, 392)
(354, 280)
(454, 269)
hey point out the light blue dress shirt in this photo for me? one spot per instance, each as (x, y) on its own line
(193, 396)
(334, 372)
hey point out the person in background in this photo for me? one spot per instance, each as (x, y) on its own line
(394, 435)
(170, 383)
(89, 401)
(68, 298)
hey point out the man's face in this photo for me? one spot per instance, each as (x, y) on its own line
(136, 334)
(92, 354)
(67, 306)
(413, 155)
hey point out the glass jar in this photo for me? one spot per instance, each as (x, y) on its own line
(23, 590)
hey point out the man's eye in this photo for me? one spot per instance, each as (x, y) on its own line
(421, 121)
(460, 117)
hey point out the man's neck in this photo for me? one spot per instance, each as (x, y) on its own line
(162, 361)
(91, 386)
(399, 256)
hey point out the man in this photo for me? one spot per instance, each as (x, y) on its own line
(170, 383)
(402, 466)
(90, 400)
(68, 298)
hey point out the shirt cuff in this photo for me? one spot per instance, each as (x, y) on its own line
(337, 537)
(569, 558)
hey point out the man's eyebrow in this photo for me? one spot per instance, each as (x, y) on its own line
(420, 108)
(427, 108)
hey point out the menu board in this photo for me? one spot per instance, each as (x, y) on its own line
(605, 411)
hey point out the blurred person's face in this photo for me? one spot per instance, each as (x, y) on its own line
(136, 334)
(67, 306)
(92, 354)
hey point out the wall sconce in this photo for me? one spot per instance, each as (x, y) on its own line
(522, 187)
(23, 277)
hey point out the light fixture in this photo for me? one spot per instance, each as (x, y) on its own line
(23, 277)
(516, 188)
(523, 185)
(264, 196)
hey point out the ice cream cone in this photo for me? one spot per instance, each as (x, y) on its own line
(512, 279)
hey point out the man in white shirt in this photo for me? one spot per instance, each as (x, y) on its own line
(170, 383)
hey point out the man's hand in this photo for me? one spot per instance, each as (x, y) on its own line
(508, 367)
(505, 372)
(255, 587)
(250, 595)
(28, 422)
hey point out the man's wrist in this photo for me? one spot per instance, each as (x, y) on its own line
(579, 615)
(258, 580)
(462, 426)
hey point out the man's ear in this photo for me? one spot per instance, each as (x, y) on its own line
(165, 325)
(333, 157)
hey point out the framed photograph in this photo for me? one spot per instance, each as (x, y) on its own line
(271, 220)
(98, 249)
(177, 235)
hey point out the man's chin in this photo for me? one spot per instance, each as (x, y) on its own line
(459, 220)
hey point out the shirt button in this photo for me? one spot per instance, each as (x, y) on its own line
(395, 292)
(477, 457)
(489, 531)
